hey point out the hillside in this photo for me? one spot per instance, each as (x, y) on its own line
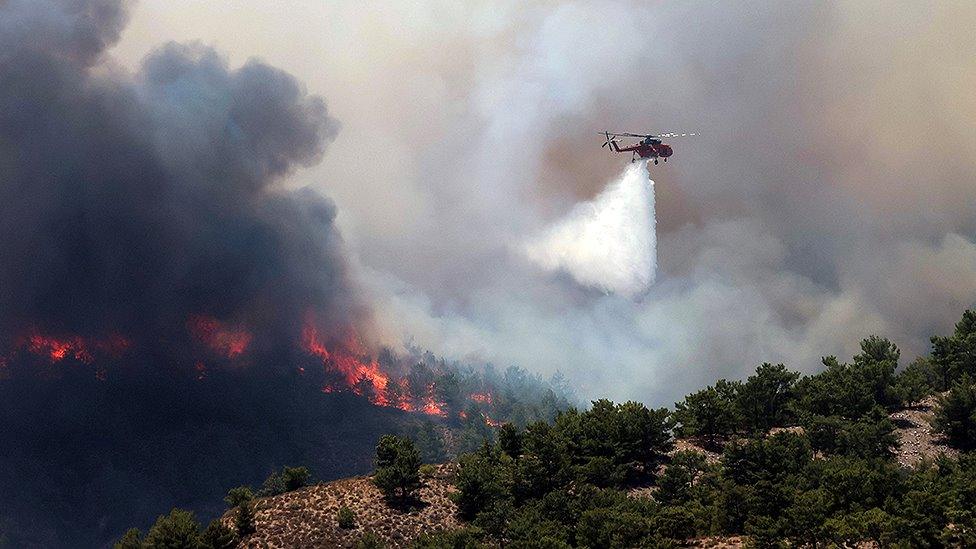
(308, 517)
(863, 453)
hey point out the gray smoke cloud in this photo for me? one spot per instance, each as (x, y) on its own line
(131, 201)
(829, 196)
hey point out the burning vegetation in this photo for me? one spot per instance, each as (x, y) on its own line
(344, 364)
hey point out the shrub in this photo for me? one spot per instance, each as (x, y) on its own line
(956, 414)
(429, 442)
(916, 381)
(218, 536)
(764, 400)
(177, 530)
(955, 355)
(427, 470)
(295, 477)
(289, 479)
(244, 521)
(273, 485)
(872, 436)
(676, 483)
(132, 539)
(346, 518)
(238, 496)
(478, 483)
(510, 440)
(369, 540)
(707, 413)
(464, 538)
(397, 467)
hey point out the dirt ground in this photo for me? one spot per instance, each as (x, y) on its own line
(915, 435)
(309, 517)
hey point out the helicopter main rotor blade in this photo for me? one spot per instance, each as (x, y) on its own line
(612, 134)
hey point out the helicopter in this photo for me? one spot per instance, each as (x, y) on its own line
(650, 145)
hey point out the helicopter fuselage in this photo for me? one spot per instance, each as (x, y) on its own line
(652, 149)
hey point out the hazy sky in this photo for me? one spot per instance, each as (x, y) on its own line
(830, 195)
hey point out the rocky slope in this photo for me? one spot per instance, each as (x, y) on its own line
(309, 517)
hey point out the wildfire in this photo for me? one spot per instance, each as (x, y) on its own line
(482, 398)
(223, 340)
(58, 348)
(345, 360)
(363, 376)
(430, 406)
(486, 399)
(358, 374)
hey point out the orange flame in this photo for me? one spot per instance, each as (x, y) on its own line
(346, 359)
(430, 406)
(353, 370)
(218, 337)
(58, 348)
(483, 398)
(358, 371)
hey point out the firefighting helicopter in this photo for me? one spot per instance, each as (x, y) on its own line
(650, 145)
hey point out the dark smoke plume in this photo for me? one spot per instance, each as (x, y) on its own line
(142, 226)
(156, 192)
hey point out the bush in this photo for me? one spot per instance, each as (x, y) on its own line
(238, 496)
(955, 355)
(289, 479)
(429, 442)
(478, 482)
(427, 470)
(244, 521)
(707, 413)
(218, 536)
(765, 399)
(675, 485)
(132, 539)
(295, 477)
(916, 381)
(369, 540)
(177, 530)
(397, 467)
(872, 436)
(510, 440)
(464, 538)
(273, 485)
(346, 518)
(956, 415)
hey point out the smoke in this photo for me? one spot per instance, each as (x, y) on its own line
(158, 278)
(827, 197)
(133, 201)
(607, 243)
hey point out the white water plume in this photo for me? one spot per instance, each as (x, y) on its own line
(608, 243)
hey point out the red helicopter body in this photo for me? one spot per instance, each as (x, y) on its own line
(650, 146)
